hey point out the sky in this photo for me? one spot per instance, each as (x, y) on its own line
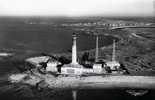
(77, 7)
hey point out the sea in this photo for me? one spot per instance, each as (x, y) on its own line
(24, 37)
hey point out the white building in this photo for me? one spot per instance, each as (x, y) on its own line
(71, 69)
(97, 68)
(114, 65)
(52, 65)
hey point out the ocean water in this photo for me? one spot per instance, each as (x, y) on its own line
(21, 36)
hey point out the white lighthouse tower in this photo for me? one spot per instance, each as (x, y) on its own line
(74, 50)
(74, 68)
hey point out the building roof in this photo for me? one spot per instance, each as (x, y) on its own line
(73, 65)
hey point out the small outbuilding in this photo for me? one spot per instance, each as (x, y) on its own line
(52, 65)
(114, 65)
(72, 69)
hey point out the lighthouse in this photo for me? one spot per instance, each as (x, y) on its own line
(74, 68)
(74, 50)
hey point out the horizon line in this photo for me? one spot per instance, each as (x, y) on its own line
(77, 16)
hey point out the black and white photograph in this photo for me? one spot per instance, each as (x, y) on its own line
(77, 49)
